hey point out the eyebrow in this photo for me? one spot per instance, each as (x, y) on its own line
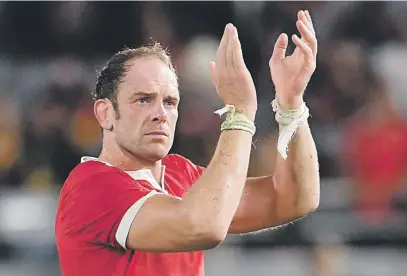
(143, 93)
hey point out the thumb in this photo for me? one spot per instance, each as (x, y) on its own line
(280, 48)
(212, 70)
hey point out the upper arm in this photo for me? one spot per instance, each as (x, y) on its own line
(260, 207)
(257, 206)
(163, 224)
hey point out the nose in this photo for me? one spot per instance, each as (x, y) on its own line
(159, 114)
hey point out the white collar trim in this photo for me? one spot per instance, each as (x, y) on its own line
(143, 174)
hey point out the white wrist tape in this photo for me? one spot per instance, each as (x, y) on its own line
(289, 121)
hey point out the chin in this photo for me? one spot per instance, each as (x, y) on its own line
(156, 152)
(151, 150)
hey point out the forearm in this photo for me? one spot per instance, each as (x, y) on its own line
(296, 179)
(214, 198)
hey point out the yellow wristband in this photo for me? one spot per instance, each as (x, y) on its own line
(235, 120)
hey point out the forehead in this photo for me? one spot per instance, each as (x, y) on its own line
(149, 74)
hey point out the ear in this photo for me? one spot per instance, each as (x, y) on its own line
(104, 113)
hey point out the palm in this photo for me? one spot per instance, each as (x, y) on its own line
(291, 74)
(295, 62)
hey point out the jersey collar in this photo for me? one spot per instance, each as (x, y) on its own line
(143, 174)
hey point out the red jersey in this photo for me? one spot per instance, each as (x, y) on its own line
(97, 205)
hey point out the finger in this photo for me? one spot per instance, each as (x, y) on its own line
(308, 16)
(308, 36)
(238, 60)
(231, 45)
(280, 48)
(306, 50)
(221, 52)
(212, 71)
(302, 16)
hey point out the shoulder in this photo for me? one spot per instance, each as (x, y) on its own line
(95, 188)
(91, 171)
(98, 180)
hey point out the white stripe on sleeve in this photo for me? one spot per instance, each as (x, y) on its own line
(127, 220)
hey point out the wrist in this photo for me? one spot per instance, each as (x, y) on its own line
(236, 119)
(250, 114)
(249, 111)
(291, 103)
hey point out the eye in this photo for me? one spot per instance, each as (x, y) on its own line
(144, 100)
(170, 102)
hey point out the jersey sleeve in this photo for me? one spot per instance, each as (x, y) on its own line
(200, 170)
(100, 210)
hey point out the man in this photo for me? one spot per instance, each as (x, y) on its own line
(137, 211)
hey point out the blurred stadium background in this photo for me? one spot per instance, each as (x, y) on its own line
(50, 53)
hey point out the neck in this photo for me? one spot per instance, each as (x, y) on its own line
(129, 162)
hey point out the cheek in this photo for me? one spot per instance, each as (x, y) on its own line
(173, 118)
(130, 124)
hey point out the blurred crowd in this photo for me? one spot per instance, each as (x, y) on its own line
(50, 53)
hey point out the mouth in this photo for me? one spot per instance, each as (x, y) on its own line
(158, 134)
